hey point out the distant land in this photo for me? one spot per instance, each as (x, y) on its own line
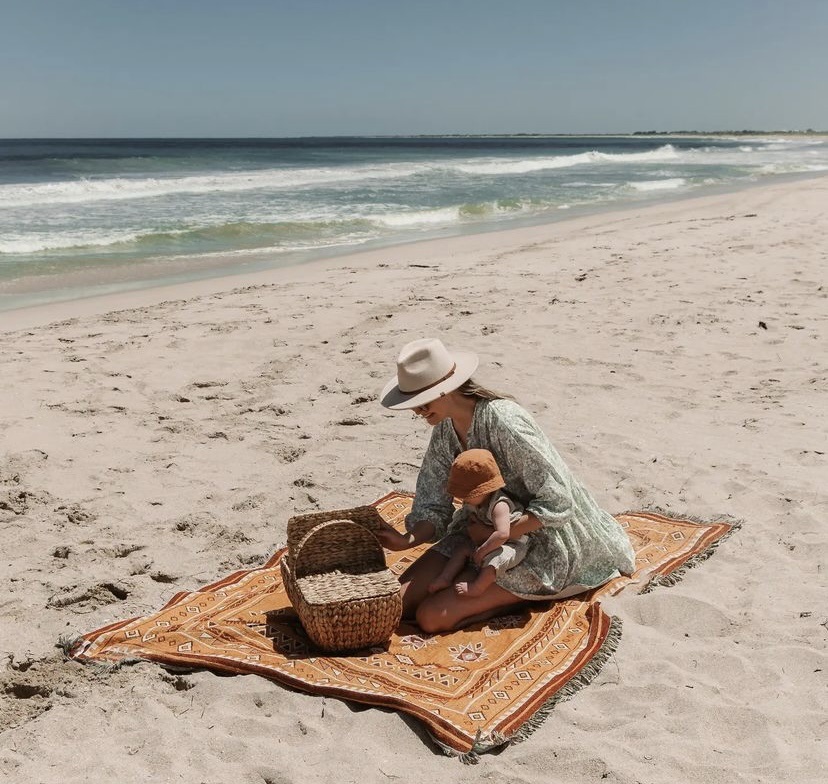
(537, 134)
(743, 132)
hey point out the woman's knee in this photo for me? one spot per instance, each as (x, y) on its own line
(433, 617)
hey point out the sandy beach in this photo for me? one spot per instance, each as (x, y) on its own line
(155, 441)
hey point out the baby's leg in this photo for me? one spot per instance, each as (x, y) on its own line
(453, 567)
(478, 586)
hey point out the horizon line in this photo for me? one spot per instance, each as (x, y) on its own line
(517, 134)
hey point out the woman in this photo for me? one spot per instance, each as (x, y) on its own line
(573, 544)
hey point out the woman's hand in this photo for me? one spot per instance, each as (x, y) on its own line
(479, 554)
(526, 525)
(391, 539)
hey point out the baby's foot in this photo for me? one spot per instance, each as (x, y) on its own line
(467, 589)
(438, 584)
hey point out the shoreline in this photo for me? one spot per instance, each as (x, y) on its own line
(145, 292)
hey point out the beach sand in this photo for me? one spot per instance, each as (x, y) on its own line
(675, 354)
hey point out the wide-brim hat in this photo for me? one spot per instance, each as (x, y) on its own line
(426, 370)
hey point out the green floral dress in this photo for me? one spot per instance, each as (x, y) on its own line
(579, 546)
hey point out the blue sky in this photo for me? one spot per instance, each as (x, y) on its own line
(308, 67)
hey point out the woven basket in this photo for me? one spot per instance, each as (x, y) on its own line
(338, 583)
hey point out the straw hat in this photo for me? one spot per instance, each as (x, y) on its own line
(426, 370)
(474, 473)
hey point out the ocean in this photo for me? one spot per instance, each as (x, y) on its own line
(86, 216)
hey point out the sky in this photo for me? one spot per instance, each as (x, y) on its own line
(268, 68)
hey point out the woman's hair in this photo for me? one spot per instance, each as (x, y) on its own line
(471, 388)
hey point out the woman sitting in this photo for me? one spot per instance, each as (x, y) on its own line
(573, 545)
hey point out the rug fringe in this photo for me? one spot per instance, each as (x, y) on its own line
(67, 643)
(72, 647)
(676, 575)
(574, 685)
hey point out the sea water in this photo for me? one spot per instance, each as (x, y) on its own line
(78, 217)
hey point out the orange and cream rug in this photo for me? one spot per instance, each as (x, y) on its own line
(474, 689)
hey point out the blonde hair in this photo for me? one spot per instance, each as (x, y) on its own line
(471, 388)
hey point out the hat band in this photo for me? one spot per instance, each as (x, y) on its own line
(433, 384)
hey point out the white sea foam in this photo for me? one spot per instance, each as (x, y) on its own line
(523, 166)
(121, 188)
(658, 185)
(792, 168)
(38, 242)
(400, 219)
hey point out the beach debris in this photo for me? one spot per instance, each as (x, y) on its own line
(763, 325)
(581, 277)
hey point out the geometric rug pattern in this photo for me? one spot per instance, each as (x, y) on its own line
(473, 689)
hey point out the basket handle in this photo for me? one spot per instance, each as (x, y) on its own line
(299, 525)
(338, 544)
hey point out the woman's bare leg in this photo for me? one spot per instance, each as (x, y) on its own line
(446, 610)
(415, 580)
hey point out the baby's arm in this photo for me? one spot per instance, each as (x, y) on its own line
(502, 529)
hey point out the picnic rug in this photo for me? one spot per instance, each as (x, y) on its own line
(474, 690)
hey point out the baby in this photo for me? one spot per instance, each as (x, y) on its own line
(475, 479)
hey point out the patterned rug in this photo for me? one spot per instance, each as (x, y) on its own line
(474, 689)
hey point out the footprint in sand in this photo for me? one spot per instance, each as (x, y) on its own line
(28, 687)
(89, 598)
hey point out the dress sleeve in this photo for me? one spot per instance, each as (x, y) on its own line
(432, 502)
(529, 455)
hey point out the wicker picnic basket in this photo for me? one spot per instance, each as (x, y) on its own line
(335, 575)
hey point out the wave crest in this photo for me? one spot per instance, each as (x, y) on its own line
(664, 153)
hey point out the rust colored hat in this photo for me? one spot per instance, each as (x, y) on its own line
(474, 473)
